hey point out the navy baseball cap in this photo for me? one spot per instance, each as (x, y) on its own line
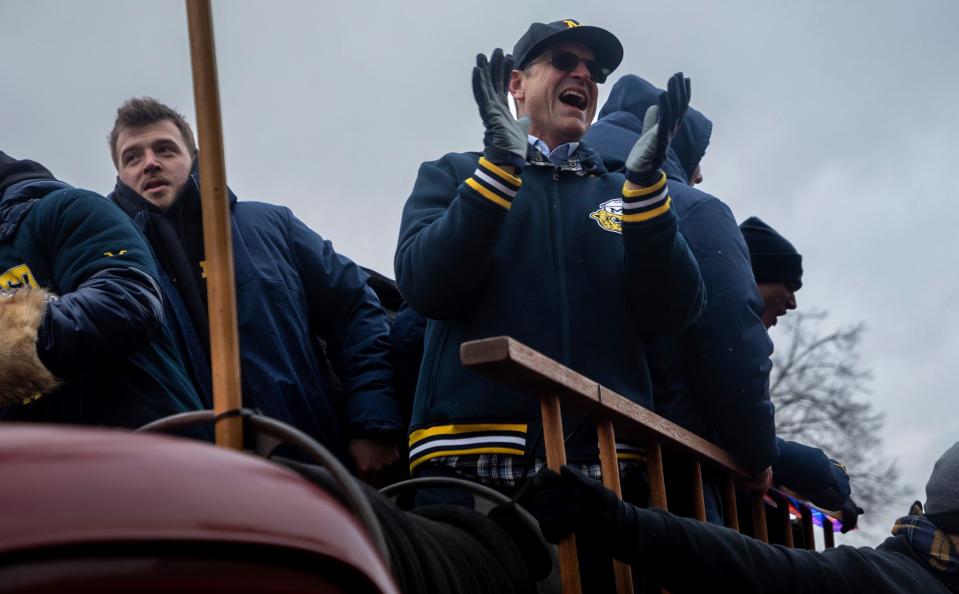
(607, 49)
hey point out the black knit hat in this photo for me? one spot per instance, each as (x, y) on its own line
(774, 258)
(942, 491)
(606, 47)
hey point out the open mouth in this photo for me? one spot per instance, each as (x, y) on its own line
(154, 184)
(574, 97)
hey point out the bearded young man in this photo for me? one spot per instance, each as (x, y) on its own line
(292, 289)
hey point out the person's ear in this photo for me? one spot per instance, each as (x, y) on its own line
(517, 85)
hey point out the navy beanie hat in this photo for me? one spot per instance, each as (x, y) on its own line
(942, 492)
(774, 259)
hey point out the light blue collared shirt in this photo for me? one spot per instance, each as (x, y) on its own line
(558, 155)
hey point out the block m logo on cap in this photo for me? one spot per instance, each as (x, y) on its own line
(570, 23)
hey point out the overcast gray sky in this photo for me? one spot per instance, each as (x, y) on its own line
(835, 121)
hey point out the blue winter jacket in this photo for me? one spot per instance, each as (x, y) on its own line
(292, 289)
(713, 378)
(103, 336)
(554, 268)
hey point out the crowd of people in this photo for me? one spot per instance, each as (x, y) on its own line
(586, 240)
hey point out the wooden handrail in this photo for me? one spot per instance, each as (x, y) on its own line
(512, 363)
(522, 368)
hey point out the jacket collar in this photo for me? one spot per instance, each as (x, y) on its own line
(583, 160)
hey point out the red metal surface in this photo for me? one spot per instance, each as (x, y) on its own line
(72, 486)
(148, 575)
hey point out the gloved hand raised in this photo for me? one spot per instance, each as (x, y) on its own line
(505, 138)
(850, 514)
(566, 502)
(660, 126)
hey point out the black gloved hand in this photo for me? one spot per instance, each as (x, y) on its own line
(505, 139)
(850, 515)
(660, 126)
(566, 502)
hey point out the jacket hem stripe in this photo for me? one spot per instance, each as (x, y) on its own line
(479, 450)
(467, 441)
(457, 429)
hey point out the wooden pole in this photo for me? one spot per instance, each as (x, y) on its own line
(218, 243)
(556, 457)
(610, 467)
(729, 503)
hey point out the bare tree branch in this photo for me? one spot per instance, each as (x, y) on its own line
(818, 386)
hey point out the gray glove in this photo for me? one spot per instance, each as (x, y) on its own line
(660, 126)
(505, 139)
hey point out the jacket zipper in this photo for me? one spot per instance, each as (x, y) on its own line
(559, 258)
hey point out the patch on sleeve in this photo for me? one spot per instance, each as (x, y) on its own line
(18, 277)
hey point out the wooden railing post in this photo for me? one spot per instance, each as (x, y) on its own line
(730, 510)
(785, 522)
(699, 498)
(809, 535)
(758, 508)
(555, 457)
(610, 467)
(827, 537)
(657, 477)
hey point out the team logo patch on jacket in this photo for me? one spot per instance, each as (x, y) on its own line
(609, 216)
(18, 277)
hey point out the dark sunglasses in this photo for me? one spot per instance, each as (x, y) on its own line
(568, 62)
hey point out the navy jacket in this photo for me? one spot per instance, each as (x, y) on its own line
(811, 472)
(103, 337)
(554, 269)
(291, 290)
(713, 378)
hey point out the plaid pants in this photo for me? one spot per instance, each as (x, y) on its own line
(505, 473)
